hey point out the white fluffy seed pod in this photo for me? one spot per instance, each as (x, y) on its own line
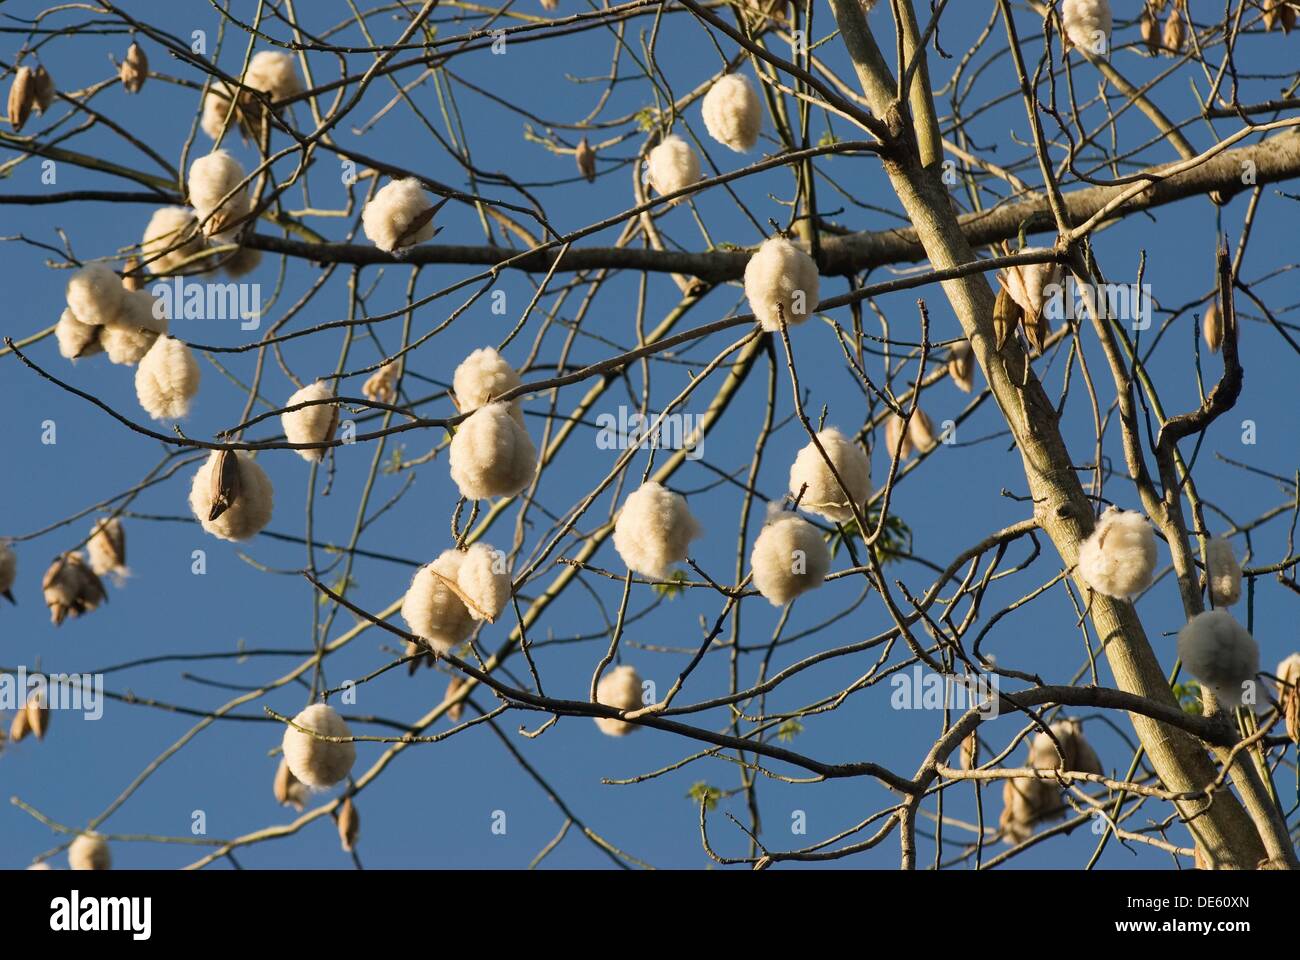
(237, 508)
(128, 338)
(732, 113)
(672, 165)
(211, 178)
(107, 547)
(167, 379)
(71, 587)
(76, 339)
(1087, 24)
(824, 496)
(1222, 571)
(491, 454)
(397, 216)
(620, 688)
(89, 852)
(314, 424)
(216, 104)
(432, 608)
(8, 571)
(274, 73)
(242, 262)
(481, 377)
(781, 282)
(95, 295)
(318, 763)
(1119, 559)
(789, 558)
(654, 530)
(1075, 750)
(894, 434)
(1026, 283)
(168, 228)
(484, 579)
(381, 386)
(1220, 653)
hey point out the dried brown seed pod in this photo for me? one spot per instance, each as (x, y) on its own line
(1149, 26)
(107, 547)
(381, 387)
(71, 587)
(1288, 694)
(961, 366)
(289, 790)
(586, 158)
(1036, 332)
(1006, 317)
(134, 68)
(20, 726)
(920, 432)
(38, 714)
(42, 89)
(970, 751)
(893, 434)
(225, 483)
(1175, 34)
(453, 687)
(349, 825)
(22, 97)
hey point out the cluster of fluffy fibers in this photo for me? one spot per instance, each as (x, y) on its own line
(1119, 559)
(1222, 571)
(789, 558)
(654, 530)
(76, 339)
(484, 579)
(432, 609)
(242, 262)
(274, 73)
(252, 506)
(482, 377)
(491, 454)
(1027, 801)
(387, 218)
(8, 571)
(318, 763)
(89, 852)
(781, 282)
(1220, 653)
(127, 339)
(1087, 23)
(167, 379)
(824, 495)
(621, 689)
(106, 547)
(211, 178)
(95, 295)
(167, 230)
(314, 424)
(732, 113)
(672, 165)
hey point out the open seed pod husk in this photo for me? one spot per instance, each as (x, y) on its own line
(349, 825)
(42, 89)
(289, 790)
(586, 158)
(134, 69)
(22, 97)
(1007, 315)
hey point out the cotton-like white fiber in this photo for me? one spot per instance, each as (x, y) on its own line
(314, 424)
(1119, 559)
(107, 547)
(1222, 571)
(824, 495)
(789, 558)
(781, 282)
(482, 377)
(484, 579)
(89, 852)
(211, 178)
(167, 379)
(654, 530)
(491, 454)
(242, 262)
(1087, 23)
(216, 104)
(8, 571)
(129, 337)
(274, 73)
(95, 295)
(388, 218)
(76, 339)
(318, 763)
(620, 688)
(672, 165)
(170, 227)
(1220, 653)
(431, 608)
(732, 113)
(250, 507)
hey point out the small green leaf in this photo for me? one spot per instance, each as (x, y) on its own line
(701, 792)
(789, 730)
(671, 590)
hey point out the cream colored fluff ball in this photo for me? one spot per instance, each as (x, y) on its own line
(491, 454)
(167, 379)
(274, 73)
(1119, 559)
(387, 218)
(216, 104)
(168, 228)
(252, 506)
(76, 339)
(319, 763)
(1220, 653)
(314, 424)
(211, 178)
(128, 338)
(95, 295)
(654, 530)
(732, 113)
(789, 558)
(781, 281)
(824, 495)
(89, 852)
(481, 377)
(1087, 23)
(620, 688)
(1222, 571)
(106, 547)
(672, 165)
(484, 578)
(432, 609)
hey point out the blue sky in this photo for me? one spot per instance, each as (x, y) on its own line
(434, 806)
